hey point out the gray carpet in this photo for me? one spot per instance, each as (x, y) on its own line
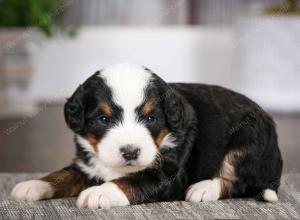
(288, 206)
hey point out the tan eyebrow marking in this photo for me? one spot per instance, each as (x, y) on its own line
(106, 108)
(147, 107)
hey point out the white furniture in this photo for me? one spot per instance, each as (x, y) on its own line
(269, 60)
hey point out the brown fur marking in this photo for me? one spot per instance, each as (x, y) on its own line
(161, 136)
(66, 183)
(106, 108)
(123, 184)
(93, 141)
(147, 107)
(227, 175)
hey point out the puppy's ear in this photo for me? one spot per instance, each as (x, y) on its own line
(174, 109)
(74, 111)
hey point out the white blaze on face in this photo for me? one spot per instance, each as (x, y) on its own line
(128, 83)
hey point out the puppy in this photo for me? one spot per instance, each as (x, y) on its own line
(140, 140)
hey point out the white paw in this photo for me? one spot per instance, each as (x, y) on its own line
(207, 190)
(270, 195)
(32, 190)
(105, 196)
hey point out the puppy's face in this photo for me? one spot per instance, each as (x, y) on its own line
(124, 123)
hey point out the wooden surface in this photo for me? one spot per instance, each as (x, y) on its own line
(44, 143)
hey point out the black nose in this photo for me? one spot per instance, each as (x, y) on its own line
(130, 152)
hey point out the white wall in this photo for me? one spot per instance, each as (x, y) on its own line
(187, 54)
(269, 61)
(176, 54)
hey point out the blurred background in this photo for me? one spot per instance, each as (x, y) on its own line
(48, 47)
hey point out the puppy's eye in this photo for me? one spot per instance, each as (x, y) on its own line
(150, 119)
(104, 120)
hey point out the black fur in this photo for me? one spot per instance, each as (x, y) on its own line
(226, 121)
(207, 122)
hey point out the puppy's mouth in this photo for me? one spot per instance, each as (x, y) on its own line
(128, 168)
(130, 163)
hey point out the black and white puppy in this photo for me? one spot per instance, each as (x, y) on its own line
(140, 139)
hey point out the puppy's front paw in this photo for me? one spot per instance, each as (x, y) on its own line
(32, 190)
(105, 196)
(207, 190)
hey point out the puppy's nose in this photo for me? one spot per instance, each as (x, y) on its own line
(130, 152)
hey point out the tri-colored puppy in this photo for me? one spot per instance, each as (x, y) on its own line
(140, 139)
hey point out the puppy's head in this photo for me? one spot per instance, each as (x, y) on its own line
(123, 115)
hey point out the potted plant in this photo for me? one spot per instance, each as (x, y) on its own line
(21, 23)
(290, 8)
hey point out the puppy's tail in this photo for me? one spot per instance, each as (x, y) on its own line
(269, 195)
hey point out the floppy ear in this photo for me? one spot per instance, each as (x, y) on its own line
(174, 109)
(74, 111)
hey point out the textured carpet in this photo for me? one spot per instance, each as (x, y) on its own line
(288, 206)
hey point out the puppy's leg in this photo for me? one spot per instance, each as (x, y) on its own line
(206, 190)
(258, 165)
(252, 169)
(64, 183)
(106, 195)
(220, 186)
(149, 185)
